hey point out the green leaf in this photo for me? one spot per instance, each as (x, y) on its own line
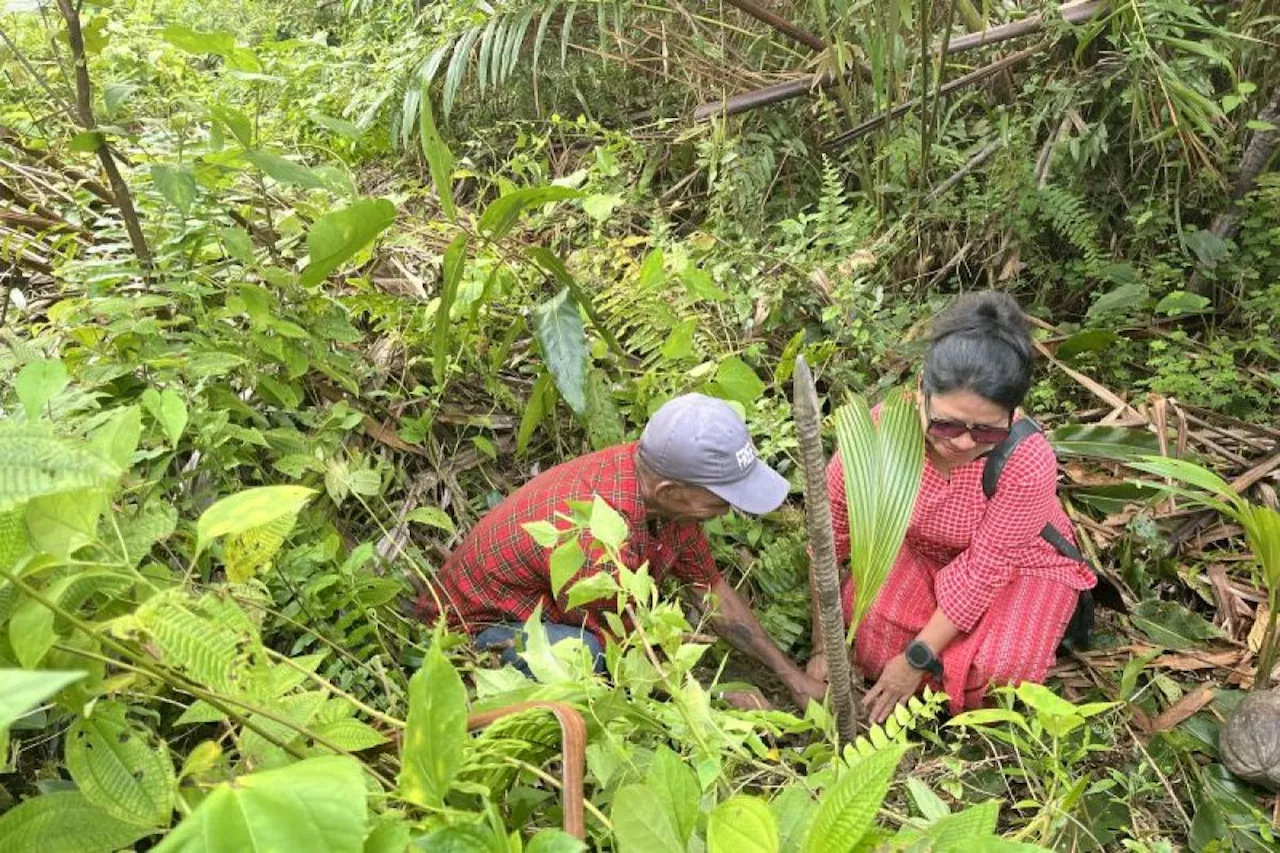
(250, 552)
(600, 207)
(502, 213)
(33, 462)
(1172, 625)
(22, 689)
(554, 840)
(432, 517)
(651, 271)
(566, 560)
(676, 785)
(66, 822)
(883, 465)
(848, 808)
(287, 172)
(700, 285)
(454, 263)
(439, 157)
(196, 41)
(238, 123)
(1123, 299)
(117, 438)
(742, 824)
(121, 767)
(1180, 303)
(604, 421)
(435, 731)
(679, 343)
(351, 735)
(249, 509)
(88, 141)
(338, 235)
(794, 809)
(168, 410)
(735, 380)
(1090, 340)
(592, 588)
(558, 326)
(545, 533)
(641, 823)
(38, 382)
(176, 183)
(64, 523)
(1103, 442)
(953, 833)
(929, 804)
(608, 527)
(317, 805)
(536, 410)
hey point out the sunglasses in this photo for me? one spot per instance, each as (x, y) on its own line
(949, 429)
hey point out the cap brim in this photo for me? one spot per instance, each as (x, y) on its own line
(761, 491)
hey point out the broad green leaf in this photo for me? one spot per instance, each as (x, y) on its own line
(989, 716)
(848, 807)
(1170, 624)
(1090, 340)
(351, 735)
(210, 640)
(198, 42)
(1180, 303)
(929, 804)
(608, 527)
(563, 340)
(249, 509)
(566, 560)
(23, 689)
(62, 524)
(742, 824)
(176, 183)
(676, 786)
(238, 123)
(604, 421)
(285, 171)
(250, 552)
(338, 235)
(794, 809)
(554, 840)
(701, 286)
(317, 806)
(38, 382)
(121, 767)
(1125, 299)
(953, 833)
(503, 211)
(200, 760)
(31, 632)
(600, 207)
(651, 272)
(1187, 472)
(168, 410)
(299, 709)
(117, 439)
(735, 380)
(455, 258)
(538, 654)
(550, 263)
(65, 822)
(1103, 442)
(679, 343)
(34, 462)
(536, 410)
(883, 464)
(545, 533)
(439, 157)
(641, 823)
(435, 731)
(592, 588)
(463, 838)
(88, 142)
(432, 516)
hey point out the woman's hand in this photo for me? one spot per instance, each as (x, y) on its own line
(898, 683)
(817, 667)
(804, 688)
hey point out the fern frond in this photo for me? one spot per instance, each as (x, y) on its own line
(1070, 219)
(903, 721)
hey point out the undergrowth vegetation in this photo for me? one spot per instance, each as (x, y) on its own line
(294, 293)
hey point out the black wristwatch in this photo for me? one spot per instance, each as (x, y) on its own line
(921, 657)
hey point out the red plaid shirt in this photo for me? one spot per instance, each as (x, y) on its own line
(500, 574)
(979, 546)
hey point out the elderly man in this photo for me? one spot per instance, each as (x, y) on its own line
(694, 462)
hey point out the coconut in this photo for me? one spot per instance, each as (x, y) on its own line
(1250, 740)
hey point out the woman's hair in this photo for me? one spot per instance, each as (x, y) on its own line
(982, 344)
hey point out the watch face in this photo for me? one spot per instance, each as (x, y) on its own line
(918, 655)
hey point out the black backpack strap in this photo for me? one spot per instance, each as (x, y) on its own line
(997, 458)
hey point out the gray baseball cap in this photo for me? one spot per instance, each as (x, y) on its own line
(700, 440)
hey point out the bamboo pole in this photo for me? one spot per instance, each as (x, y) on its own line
(824, 580)
(779, 23)
(1073, 13)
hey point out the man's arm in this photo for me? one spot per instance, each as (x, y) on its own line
(733, 620)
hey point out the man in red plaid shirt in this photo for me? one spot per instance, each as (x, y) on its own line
(694, 462)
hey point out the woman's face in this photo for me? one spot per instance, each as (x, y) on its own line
(965, 407)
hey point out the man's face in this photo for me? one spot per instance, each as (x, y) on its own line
(682, 502)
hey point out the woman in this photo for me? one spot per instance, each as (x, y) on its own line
(976, 596)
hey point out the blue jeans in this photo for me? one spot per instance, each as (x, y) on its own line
(504, 637)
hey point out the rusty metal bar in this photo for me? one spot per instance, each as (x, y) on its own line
(573, 743)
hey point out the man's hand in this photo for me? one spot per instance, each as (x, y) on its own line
(804, 688)
(817, 667)
(897, 684)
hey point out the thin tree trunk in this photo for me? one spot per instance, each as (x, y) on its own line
(1256, 154)
(779, 23)
(84, 114)
(824, 580)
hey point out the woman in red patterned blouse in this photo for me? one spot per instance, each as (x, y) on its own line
(976, 596)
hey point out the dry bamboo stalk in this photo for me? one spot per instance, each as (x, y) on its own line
(824, 580)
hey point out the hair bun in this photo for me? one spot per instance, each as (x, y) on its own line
(981, 342)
